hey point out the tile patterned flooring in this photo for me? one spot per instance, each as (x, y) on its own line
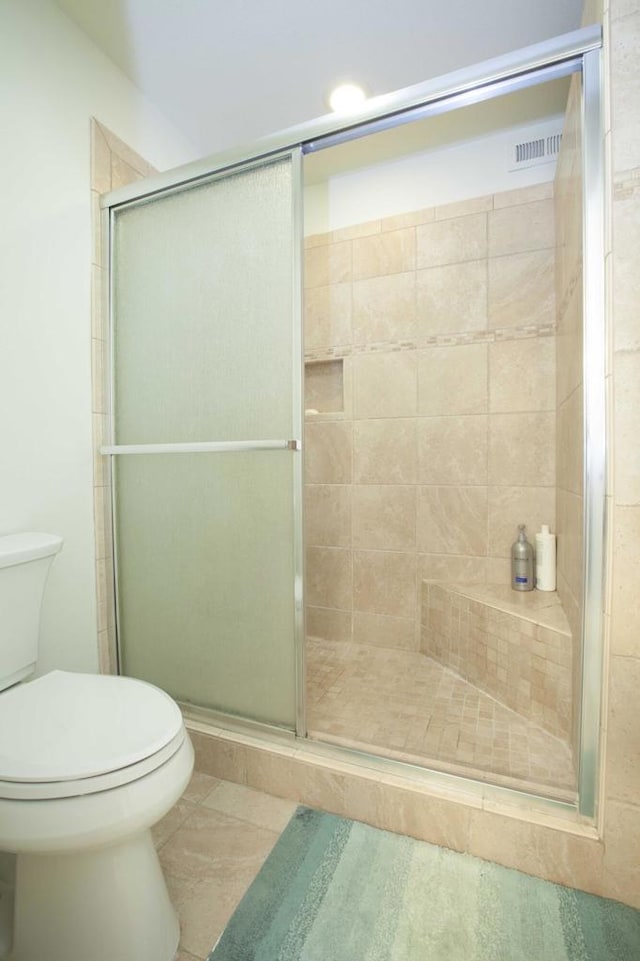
(408, 706)
(211, 846)
(214, 841)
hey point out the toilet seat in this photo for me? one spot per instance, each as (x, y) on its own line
(65, 734)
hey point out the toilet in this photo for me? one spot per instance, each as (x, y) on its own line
(88, 764)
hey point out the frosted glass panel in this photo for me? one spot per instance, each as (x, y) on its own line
(203, 328)
(202, 300)
(205, 575)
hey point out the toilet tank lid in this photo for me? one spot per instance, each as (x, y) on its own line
(65, 726)
(20, 548)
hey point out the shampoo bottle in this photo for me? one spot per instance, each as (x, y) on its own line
(545, 560)
(522, 563)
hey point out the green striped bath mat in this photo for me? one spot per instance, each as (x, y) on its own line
(338, 890)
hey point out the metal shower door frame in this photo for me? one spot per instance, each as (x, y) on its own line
(579, 51)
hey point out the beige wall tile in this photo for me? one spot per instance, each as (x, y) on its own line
(380, 630)
(98, 326)
(98, 384)
(102, 520)
(522, 450)
(327, 515)
(623, 731)
(384, 582)
(277, 772)
(523, 195)
(522, 289)
(593, 11)
(529, 226)
(522, 375)
(105, 593)
(626, 407)
(384, 518)
(355, 231)
(498, 570)
(125, 153)
(569, 522)
(101, 466)
(329, 624)
(616, 8)
(385, 384)
(330, 264)
(123, 173)
(429, 818)
(384, 451)
(410, 219)
(452, 241)
(219, 757)
(626, 277)
(327, 316)
(384, 308)
(316, 240)
(625, 594)
(327, 458)
(97, 254)
(451, 298)
(451, 567)
(625, 91)
(107, 658)
(461, 208)
(537, 849)
(323, 788)
(329, 577)
(453, 450)
(511, 506)
(452, 380)
(452, 520)
(622, 852)
(570, 457)
(100, 160)
(391, 252)
(569, 346)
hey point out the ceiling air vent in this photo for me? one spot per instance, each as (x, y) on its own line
(529, 151)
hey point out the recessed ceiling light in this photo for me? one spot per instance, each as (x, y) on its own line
(346, 98)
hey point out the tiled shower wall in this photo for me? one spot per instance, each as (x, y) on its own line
(437, 329)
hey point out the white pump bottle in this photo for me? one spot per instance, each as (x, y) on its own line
(545, 560)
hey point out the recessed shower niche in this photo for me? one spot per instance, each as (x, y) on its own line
(324, 387)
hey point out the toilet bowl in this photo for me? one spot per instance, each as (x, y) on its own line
(88, 764)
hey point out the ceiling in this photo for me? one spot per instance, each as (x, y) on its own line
(227, 73)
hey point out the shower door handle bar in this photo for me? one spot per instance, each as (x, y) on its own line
(203, 447)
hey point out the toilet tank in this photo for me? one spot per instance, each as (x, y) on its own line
(25, 560)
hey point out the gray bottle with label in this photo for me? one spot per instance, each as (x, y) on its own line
(522, 563)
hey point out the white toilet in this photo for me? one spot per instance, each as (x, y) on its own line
(88, 764)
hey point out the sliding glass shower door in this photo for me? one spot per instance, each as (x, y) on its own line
(206, 427)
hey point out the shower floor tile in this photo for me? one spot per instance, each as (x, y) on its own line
(407, 706)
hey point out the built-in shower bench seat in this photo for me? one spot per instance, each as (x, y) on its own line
(515, 646)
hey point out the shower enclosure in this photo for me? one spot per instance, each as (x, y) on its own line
(451, 291)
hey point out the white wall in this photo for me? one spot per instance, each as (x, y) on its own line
(52, 80)
(472, 167)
